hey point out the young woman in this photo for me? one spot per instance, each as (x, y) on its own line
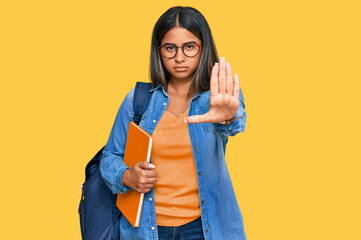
(196, 104)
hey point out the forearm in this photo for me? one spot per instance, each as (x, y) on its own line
(112, 169)
(112, 165)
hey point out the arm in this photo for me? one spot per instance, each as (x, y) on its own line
(112, 165)
(116, 174)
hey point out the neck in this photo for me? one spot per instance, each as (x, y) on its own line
(179, 86)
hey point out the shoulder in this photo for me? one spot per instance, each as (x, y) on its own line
(130, 95)
(126, 105)
(129, 100)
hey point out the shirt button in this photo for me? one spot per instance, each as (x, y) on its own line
(154, 228)
(200, 173)
(207, 230)
(150, 199)
(195, 147)
(203, 202)
(164, 104)
(154, 121)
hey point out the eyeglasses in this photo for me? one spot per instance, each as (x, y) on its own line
(190, 49)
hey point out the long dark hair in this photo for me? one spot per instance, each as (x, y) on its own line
(192, 20)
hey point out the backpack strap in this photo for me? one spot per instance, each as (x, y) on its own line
(140, 103)
(141, 100)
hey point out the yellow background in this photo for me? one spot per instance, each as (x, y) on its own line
(67, 65)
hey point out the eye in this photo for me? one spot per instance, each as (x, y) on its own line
(169, 48)
(190, 46)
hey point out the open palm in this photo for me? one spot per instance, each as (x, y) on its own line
(224, 95)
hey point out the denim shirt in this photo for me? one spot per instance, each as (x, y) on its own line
(221, 216)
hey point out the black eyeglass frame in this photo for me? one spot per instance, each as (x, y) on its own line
(176, 47)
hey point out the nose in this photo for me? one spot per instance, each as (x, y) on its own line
(179, 57)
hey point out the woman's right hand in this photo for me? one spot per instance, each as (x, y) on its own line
(141, 177)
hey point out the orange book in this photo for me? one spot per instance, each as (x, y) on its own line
(137, 149)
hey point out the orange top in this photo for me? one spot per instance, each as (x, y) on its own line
(176, 191)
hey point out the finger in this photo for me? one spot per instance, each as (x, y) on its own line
(145, 165)
(146, 190)
(229, 79)
(142, 189)
(198, 118)
(151, 174)
(236, 86)
(214, 80)
(151, 181)
(222, 80)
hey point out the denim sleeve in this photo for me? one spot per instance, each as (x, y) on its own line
(112, 165)
(236, 126)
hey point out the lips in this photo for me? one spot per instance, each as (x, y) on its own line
(180, 69)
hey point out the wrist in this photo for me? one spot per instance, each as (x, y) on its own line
(226, 122)
(125, 178)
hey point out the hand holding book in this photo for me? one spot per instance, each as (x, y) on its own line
(141, 177)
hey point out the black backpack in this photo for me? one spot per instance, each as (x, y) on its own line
(99, 215)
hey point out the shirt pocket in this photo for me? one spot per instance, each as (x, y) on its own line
(205, 126)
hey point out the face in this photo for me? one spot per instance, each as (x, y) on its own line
(181, 67)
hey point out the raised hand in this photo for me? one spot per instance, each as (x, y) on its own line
(224, 96)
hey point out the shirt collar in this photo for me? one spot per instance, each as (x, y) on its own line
(157, 87)
(165, 92)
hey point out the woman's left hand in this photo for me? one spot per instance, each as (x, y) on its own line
(224, 96)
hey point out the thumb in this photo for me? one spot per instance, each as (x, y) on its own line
(197, 118)
(145, 165)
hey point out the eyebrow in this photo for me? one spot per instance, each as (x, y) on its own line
(176, 45)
